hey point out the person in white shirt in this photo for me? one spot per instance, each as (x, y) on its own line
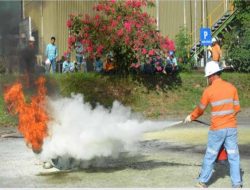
(68, 66)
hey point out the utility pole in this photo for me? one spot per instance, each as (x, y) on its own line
(157, 15)
(226, 5)
(203, 13)
(195, 29)
(23, 11)
(204, 25)
(184, 13)
(42, 33)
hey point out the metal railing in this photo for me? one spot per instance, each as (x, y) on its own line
(211, 19)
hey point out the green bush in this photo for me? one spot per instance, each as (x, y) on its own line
(237, 42)
(185, 67)
(182, 42)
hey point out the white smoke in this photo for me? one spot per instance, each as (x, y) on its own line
(83, 133)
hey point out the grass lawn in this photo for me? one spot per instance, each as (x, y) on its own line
(154, 96)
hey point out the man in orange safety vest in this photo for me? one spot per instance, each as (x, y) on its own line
(224, 101)
(215, 50)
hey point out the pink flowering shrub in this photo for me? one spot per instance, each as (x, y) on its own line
(120, 27)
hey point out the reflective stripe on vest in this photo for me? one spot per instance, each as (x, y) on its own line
(236, 102)
(220, 113)
(221, 102)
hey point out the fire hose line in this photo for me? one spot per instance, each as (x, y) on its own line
(202, 122)
(12, 135)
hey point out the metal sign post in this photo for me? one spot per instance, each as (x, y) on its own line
(206, 40)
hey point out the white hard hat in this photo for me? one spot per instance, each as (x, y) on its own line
(212, 67)
(214, 40)
(31, 39)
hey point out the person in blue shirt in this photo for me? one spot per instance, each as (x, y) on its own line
(172, 65)
(80, 57)
(68, 66)
(98, 65)
(51, 53)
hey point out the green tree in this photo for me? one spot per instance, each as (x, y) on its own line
(237, 42)
(182, 43)
(120, 27)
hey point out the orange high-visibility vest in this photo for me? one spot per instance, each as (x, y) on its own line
(224, 101)
(216, 52)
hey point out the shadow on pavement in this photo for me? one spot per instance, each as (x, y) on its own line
(156, 145)
(221, 171)
(113, 165)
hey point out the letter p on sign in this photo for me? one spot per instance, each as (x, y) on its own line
(205, 35)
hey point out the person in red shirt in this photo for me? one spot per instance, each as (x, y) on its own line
(224, 101)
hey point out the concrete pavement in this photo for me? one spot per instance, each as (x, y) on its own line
(161, 161)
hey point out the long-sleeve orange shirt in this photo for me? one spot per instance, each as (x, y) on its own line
(224, 101)
(216, 53)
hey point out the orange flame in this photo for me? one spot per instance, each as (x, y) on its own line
(32, 116)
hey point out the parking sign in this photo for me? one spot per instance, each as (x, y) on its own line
(205, 36)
